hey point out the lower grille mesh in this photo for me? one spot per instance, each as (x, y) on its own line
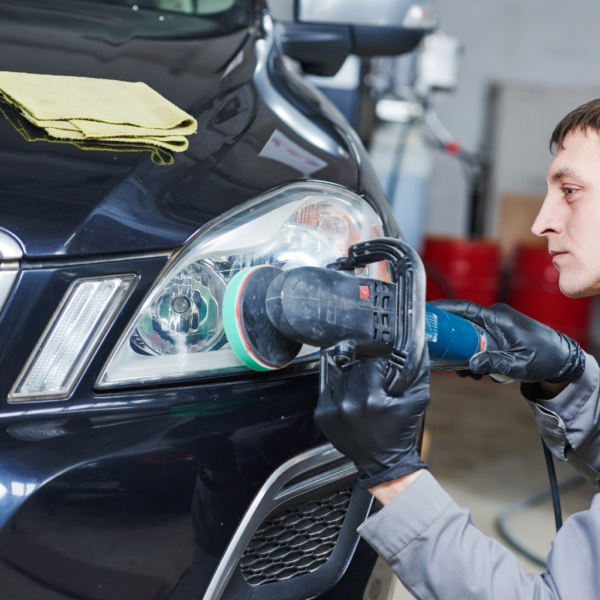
(296, 541)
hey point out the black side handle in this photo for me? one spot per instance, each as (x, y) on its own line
(409, 277)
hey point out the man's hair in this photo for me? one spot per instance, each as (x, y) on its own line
(584, 117)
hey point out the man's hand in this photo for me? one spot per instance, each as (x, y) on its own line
(376, 430)
(528, 350)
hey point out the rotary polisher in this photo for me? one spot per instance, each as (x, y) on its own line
(269, 313)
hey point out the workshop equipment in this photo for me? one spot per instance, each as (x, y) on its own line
(269, 313)
(535, 292)
(462, 269)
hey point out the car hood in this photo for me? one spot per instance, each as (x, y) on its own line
(58, 199)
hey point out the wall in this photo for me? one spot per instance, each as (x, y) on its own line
(535, 42)
(525, 114)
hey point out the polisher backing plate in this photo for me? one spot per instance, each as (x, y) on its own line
(252, 336)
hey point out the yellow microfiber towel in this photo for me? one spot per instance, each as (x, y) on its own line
(103, 111)
(31, 133)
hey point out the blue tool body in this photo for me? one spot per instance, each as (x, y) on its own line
(452, 340)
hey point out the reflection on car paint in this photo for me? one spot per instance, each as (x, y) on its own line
(237, 60)
(168, 471)
(280, 105)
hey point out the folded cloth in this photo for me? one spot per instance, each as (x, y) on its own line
(160, 155)
(85, 109)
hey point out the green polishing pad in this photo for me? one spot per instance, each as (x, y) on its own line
(252, 336)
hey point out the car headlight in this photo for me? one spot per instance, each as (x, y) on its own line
(178, 330)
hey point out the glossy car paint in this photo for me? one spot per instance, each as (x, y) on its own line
(122, 202)
(135, 493)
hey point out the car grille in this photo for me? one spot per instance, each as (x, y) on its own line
(296, 541)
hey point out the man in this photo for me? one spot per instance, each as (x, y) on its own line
(431, 543)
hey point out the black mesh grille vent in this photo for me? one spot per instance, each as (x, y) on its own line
(296, 541)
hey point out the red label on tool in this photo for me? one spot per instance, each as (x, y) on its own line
(365, 292)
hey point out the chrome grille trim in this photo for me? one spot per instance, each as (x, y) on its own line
(9, 247)
(273, 494)
(10, 254)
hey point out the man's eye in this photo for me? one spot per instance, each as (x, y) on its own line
(569, 191)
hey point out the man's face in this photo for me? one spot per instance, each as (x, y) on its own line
(570, 216)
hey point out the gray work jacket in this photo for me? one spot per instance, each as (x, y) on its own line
(434, 547)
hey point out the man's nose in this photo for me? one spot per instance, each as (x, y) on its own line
(548, 219)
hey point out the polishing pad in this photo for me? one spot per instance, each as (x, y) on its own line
(252, 336)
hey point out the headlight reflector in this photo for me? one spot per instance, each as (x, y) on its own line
(178, 331)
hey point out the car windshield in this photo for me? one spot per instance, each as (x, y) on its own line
(133, 18)
(188, 7)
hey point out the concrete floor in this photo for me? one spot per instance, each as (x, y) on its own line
(486, 452)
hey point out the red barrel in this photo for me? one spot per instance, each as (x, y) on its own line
(458, 268)
(534, 291)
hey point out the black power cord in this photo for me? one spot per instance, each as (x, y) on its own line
(553, 486)
(523, 505)
(421, 435)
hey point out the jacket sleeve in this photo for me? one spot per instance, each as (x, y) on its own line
(570, 422)
(437, 552)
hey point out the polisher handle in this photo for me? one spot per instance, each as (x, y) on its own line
(409, 277)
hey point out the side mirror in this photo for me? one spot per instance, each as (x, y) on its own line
(321, 34)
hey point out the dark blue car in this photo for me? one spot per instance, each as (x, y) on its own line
(139, 459)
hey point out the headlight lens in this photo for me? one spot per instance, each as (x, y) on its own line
(178, 330)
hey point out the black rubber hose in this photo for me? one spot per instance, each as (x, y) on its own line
(518, 507)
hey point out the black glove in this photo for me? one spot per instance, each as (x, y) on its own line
(377, 431)
(527, 350)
